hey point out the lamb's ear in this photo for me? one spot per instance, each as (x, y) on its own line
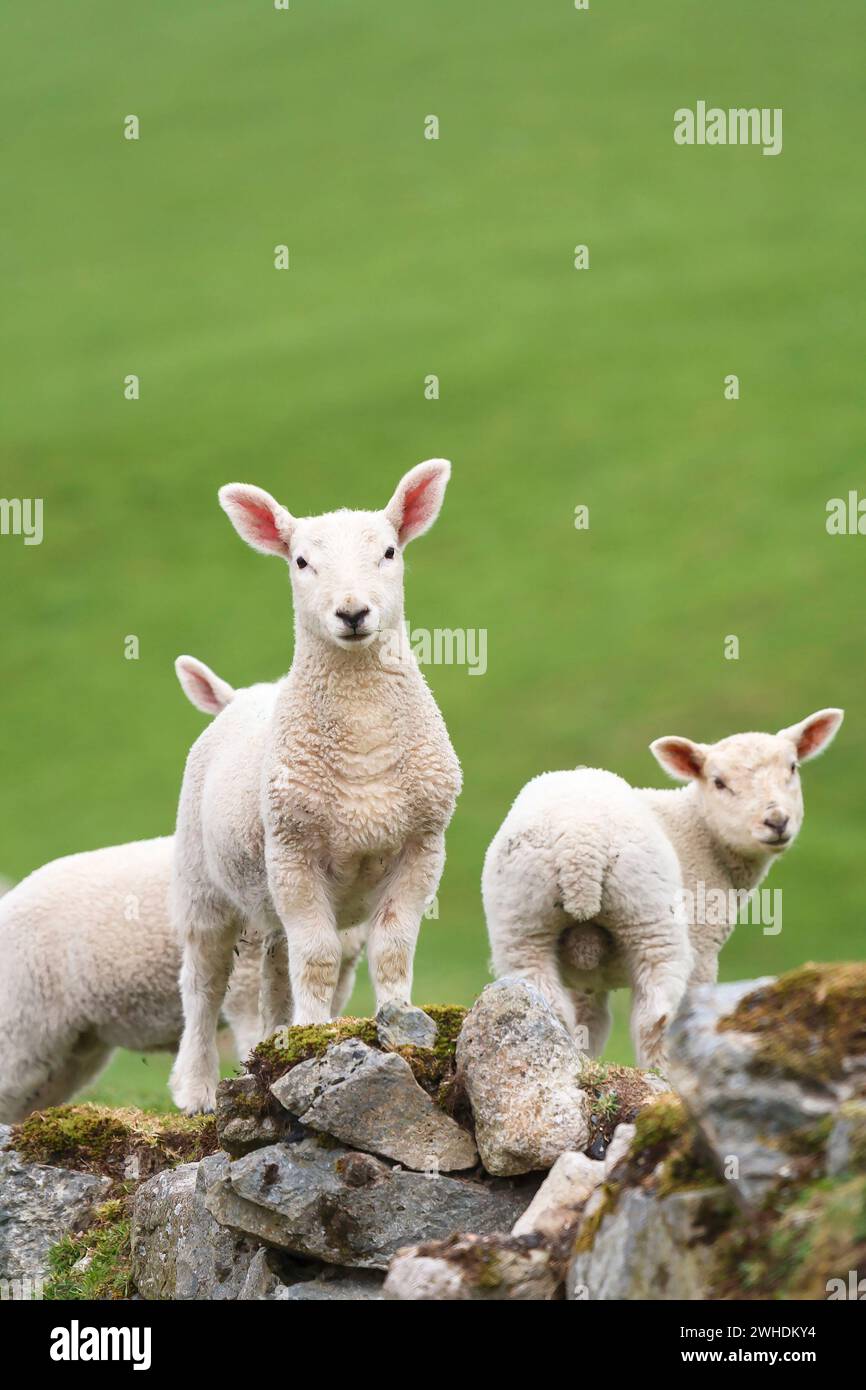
(416, 503)
(679, 757)
(258, 518)
(811, 736)
(201, 686)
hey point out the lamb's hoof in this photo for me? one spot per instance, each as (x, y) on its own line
(194, 1099)
(402, 1025)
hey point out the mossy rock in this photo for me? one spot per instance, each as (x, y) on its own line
(95, 1264)
(433, 1067)
(617, 1096)
(119, 1144)
(796, 1245)
(807, 1022)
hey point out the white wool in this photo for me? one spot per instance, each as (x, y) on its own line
(89, 960)
(320, 810)
(586, 884)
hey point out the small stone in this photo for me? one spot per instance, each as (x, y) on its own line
(402, 1025)
(473, 1268)
(618, 1147)
(559, 1201)
(247, 1118)
(361, 1287)
(522, 1074)
(371, 1100)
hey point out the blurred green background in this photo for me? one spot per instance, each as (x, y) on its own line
(558, 387)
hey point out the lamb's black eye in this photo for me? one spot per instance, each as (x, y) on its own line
(389, 553)
(793, 768)
(722, 786)
(302, 564)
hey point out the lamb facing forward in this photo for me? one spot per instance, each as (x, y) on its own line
(584, 847)
(328, 810)
(89, 960)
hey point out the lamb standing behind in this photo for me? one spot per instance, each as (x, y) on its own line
(89, 960)
(328, 810)
(584, 847)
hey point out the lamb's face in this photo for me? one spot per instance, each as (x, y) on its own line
(751, 794)
(749, 785)
(347, 577)
(346, 567)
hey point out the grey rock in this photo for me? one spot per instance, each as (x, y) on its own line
(39, 1205)
(360, 1288)
(559, 1201)
(521, 1071)
(743, 1113)
(650, 1247)
(846, 1146)
(245, 1120)
(178, 1250)
(470, 1268)
(348, 1208)
(402, 1025)
(371, 1101)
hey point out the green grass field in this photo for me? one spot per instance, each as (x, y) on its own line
(557, 387)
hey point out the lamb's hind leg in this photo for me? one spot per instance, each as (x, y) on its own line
(352, 942)
(208, 931)
(275, 995)
(659, 974)
(592, 1020)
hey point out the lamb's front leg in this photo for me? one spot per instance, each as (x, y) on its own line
(300, 896)
(396, 919)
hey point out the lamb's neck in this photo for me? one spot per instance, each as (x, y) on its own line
(704, 859)
(335, 683)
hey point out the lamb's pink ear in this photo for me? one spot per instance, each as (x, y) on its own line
(258, 518)
(416, 503)
(679, 757)
(201, 686)
(812, 735)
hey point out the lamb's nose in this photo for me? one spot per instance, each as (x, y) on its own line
(776, 820)
(352, 620)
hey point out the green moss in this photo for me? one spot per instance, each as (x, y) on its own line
(96, 1264)
(665, 1154)
(606, 1206)
(810, 1141)
(807, 1022)
(791, 1249)
(289, 1046)
(116, 1143)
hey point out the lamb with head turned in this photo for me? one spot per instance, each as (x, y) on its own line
(588, 883)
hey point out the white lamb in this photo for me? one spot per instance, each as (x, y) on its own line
(89, 960)
(328, 810)
(585, 847)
